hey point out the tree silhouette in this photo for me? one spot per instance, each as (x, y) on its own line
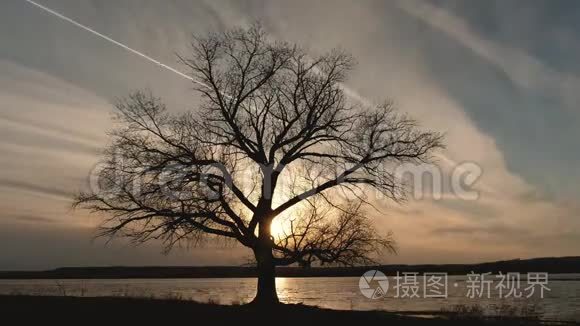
(276, 137)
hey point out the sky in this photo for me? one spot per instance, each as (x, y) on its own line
(499, 78)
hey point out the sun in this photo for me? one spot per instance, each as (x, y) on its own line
(277, 228)
(281, 224)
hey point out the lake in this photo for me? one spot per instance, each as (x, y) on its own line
(562, 302)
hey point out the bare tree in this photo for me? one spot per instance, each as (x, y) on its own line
(269, 113)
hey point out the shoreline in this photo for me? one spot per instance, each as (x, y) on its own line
(551, 265)
(145, 310)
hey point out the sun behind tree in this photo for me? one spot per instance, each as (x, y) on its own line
(270, 111)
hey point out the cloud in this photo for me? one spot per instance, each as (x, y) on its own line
(33, 219)
(523, 69)
(36, 189)
(53, 131)
(472, 232)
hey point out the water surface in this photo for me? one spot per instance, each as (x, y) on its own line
(562, 302)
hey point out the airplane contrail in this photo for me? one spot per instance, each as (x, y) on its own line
(105, 37)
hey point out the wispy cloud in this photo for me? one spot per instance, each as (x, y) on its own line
(522, 68)
(34, 219)
(36, 189)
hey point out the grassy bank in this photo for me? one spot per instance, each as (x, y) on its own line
(44, 309)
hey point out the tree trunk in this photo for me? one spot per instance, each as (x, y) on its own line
(266, 293)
